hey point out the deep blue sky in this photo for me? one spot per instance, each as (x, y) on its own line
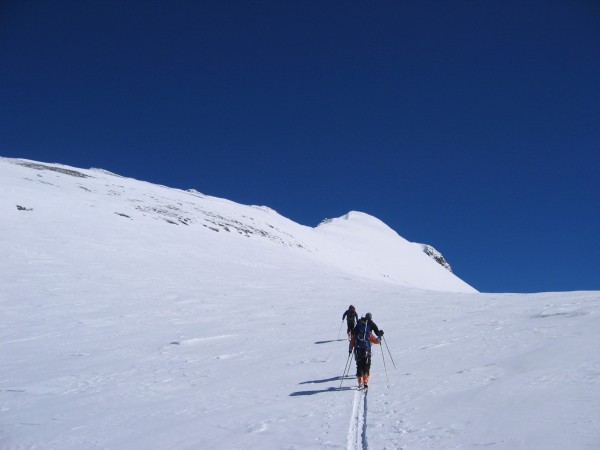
(470, 125)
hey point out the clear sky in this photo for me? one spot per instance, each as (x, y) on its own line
(473, 126)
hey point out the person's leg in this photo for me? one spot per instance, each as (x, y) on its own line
(360, 366)
(367, 368)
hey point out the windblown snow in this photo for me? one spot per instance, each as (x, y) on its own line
(136, 316)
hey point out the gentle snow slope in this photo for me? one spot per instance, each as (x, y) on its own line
(121, 330)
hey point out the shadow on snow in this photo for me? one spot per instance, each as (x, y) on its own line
(326, 380)
(331, 389)
(333, 340)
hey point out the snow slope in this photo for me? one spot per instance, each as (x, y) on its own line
(130, 322)
(357, 244)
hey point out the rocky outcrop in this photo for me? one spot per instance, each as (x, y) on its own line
(437, 256)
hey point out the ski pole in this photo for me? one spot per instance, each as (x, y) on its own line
(388, 349)
(340, 329)
(384, 367)
(346, 367)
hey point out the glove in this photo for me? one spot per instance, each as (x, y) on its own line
(380, 333)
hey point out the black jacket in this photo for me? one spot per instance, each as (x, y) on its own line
(352, 316)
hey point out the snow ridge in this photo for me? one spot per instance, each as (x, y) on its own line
(356, 243)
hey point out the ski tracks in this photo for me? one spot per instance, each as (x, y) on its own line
(357, 432)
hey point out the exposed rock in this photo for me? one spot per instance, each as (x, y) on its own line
(437, 256)
(39, 166)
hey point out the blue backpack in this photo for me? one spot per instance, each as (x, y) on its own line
(362, 331)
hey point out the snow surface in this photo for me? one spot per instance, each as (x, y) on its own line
(136, 316)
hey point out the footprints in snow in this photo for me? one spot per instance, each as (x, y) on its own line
(200, 340)
(544, 315)
(204, 340)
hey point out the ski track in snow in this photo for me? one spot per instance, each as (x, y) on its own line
(357, 433)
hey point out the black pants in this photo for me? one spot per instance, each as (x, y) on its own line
(363, 361)
(351, 326)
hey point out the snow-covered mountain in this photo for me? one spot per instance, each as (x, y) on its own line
(50, 198)
(134, 316)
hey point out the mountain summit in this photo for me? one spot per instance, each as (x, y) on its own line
(94, 209)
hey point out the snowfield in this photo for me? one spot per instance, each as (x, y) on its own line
(135, 316)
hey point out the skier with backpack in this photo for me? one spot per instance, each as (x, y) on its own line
(361, 343)
(351, 317)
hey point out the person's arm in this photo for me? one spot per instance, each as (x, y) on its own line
(376, 329)
(344, 316)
